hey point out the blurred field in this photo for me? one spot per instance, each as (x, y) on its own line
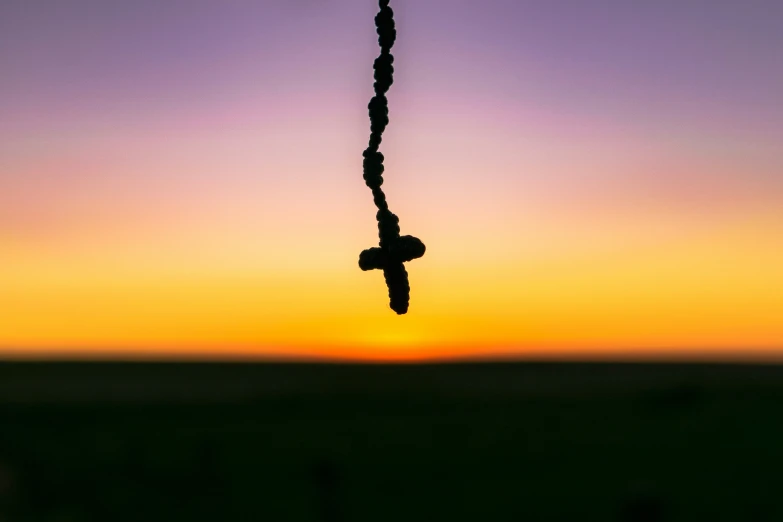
(480, 442)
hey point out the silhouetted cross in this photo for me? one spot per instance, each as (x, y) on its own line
(390, 258)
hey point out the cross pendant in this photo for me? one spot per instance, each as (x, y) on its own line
(390, 258)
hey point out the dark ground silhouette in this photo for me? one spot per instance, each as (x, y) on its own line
(394, 250)
(494, 442)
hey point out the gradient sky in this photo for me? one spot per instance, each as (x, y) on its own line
(184, 176)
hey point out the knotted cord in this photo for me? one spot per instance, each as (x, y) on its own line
(393, 249)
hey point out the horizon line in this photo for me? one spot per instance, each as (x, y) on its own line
(767, 356)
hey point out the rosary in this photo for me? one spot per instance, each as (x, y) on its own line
(393, 249)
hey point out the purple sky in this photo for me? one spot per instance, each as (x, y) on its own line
(678, 60)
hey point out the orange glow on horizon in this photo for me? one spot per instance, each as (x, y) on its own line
(698, 293)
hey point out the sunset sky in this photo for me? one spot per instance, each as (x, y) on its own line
(590, 178)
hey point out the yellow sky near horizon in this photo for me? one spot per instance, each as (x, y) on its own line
(605, 290)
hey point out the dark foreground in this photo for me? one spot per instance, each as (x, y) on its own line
(501, 442)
